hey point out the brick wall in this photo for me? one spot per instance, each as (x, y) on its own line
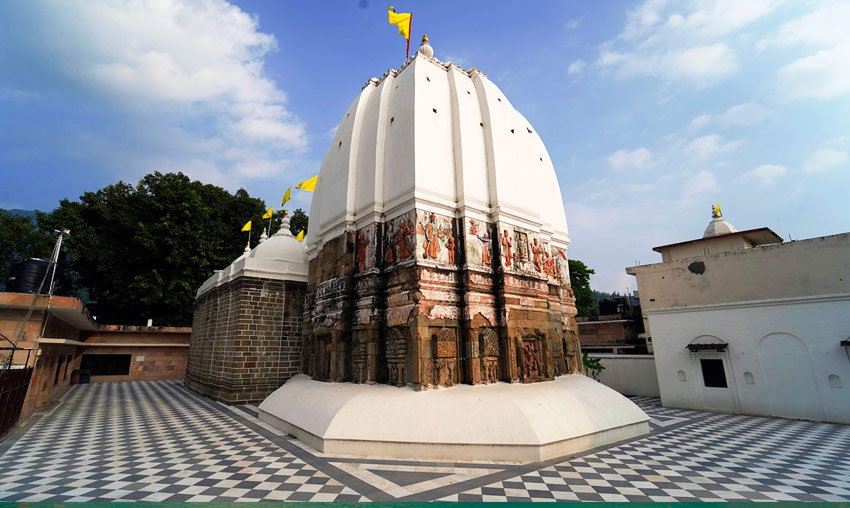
(45, 385)
(246, 339)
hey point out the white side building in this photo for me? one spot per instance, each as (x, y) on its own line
(744, 323)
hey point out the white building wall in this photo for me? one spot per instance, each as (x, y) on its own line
(784, 357)
(629, 374)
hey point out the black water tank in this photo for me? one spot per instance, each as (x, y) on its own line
(25, 276)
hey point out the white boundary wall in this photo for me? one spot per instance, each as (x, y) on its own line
(784, 357)
(629, 374)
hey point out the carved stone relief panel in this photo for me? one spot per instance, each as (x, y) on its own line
(445, 343)
(396, 344)
(435, 240)
(399, 239)
(488, 342)
(366, 248)
(444, 371)
(479, 248)
(396, 355)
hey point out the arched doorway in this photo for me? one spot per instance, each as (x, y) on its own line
(789, 379)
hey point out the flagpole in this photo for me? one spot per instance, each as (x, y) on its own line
(409, 26)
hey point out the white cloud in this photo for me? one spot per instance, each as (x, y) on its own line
(682, 42)
(766, 174)
(699, 65)
(576, 67)
(825, 73)
(700, 183)
(746, 114)
(711, 145)
(184, 79)
(630, 159)
(824, 27)
(824, 160)
(573, 23)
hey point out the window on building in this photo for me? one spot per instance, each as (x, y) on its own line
(106, 365)
(67, 364)
(713, 374)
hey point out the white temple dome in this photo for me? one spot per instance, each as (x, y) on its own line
(279, 257)
(718, 225)
(436, 137)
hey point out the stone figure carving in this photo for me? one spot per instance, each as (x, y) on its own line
(405, 240)
(521, 254)
(450, 245)
(445, 372)
(396, 373)
(362, 243)
(507, 245)
(432, 240)
(572, 352)
(532, 364)
(389, 242)
(481, 243)
(536, 251)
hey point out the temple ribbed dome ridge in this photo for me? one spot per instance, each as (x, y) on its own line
(434, 136)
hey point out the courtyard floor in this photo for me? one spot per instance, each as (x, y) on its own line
(156, 441)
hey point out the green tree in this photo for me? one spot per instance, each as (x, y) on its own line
(298, 222)
(20, 238)
(580, 281)
(142, 251)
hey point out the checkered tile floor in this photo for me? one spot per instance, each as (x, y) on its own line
(154, 441)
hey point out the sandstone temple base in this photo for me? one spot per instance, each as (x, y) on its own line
(498, 422)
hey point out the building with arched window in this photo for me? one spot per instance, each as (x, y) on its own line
(743, 322)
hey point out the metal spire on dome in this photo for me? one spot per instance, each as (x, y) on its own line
(284, 225)
(425, 48)
(718, 225)
(715, 211)
(264, 236)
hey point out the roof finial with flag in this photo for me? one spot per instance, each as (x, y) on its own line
(403, 20)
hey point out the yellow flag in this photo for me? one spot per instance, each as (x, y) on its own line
(401, 20)
(247, 226)
(286, 197)
(308, 185)
(300, 236)
(269, 212)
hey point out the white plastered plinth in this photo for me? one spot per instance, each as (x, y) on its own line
(498, 422)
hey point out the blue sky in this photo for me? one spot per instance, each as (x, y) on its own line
(651, 111)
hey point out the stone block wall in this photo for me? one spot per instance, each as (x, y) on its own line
(246, 339)
(429, 300)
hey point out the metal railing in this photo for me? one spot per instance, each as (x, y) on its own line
(14, 383)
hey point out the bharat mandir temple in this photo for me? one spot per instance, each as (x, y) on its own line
(436, 257)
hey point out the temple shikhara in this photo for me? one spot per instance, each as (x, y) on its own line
(436, 257)
(438, 242)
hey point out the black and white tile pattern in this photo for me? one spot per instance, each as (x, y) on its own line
(155, 441)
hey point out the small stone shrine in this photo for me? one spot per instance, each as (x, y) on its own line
(438, 258)
(246, 331)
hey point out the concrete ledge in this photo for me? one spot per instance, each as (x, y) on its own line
(499, 422)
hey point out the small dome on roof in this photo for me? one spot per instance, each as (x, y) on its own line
(718, 225)
(280, 257)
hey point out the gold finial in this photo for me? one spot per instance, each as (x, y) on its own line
(715, 211)
(424, 39)
(286, 213)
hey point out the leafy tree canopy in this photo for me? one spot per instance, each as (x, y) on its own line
(20, 239)
(580, 280)
(142, 251)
